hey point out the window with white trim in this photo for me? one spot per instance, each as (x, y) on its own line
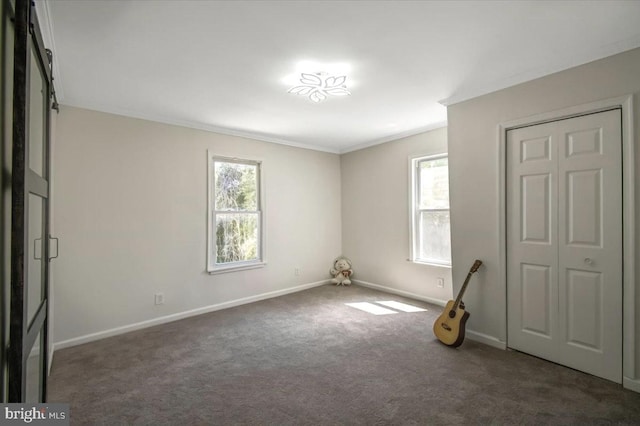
(430, 224)
(235, 214)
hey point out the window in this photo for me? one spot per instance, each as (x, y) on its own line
(430, 225)
(235, 217)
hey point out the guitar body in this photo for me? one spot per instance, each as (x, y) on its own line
(450, 325)
(450, 331)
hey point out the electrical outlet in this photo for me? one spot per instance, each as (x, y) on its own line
(296, 272)
(440, 283)
(159, 299)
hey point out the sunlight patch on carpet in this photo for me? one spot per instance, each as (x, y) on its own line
(389, 307)
(371, 308)
(399, 306)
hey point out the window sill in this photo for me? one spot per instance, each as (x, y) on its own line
(440, 265)
(234, 268)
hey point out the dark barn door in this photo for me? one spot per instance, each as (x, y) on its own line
(27, 357)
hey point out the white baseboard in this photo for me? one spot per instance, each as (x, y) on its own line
(486, 339)
(631, 384)
(401, 293)
(181, 315)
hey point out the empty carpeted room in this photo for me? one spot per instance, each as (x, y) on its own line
(320, 212)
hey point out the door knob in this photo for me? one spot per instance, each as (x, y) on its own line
(588, 261)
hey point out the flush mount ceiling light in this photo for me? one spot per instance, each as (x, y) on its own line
(319, 86)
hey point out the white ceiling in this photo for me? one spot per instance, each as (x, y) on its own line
(226, 66)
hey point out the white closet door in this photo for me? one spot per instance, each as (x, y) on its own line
(564, 242)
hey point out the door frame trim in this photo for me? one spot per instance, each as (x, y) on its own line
(630, 371)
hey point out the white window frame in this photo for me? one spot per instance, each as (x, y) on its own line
(414, 210)
(212, 266)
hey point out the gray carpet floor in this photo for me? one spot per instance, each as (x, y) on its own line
(307, 359)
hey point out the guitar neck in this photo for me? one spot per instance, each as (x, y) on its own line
(473, 269)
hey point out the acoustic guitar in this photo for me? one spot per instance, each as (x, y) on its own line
(449, 327)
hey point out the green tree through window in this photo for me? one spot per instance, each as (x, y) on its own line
(236, 211)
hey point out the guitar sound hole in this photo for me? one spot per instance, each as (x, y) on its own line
(452, 314)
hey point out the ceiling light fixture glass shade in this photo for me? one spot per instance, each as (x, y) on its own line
(319, 86)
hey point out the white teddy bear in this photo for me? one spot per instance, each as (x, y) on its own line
(341, 271)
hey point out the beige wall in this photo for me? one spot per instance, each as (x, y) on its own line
(130, 211)
(474, 172)
(375, 217)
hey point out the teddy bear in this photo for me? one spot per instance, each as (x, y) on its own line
(341, 271)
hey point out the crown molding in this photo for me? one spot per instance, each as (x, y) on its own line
(594, 53)
(198, 126)
(248, 135)
(395, 136)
